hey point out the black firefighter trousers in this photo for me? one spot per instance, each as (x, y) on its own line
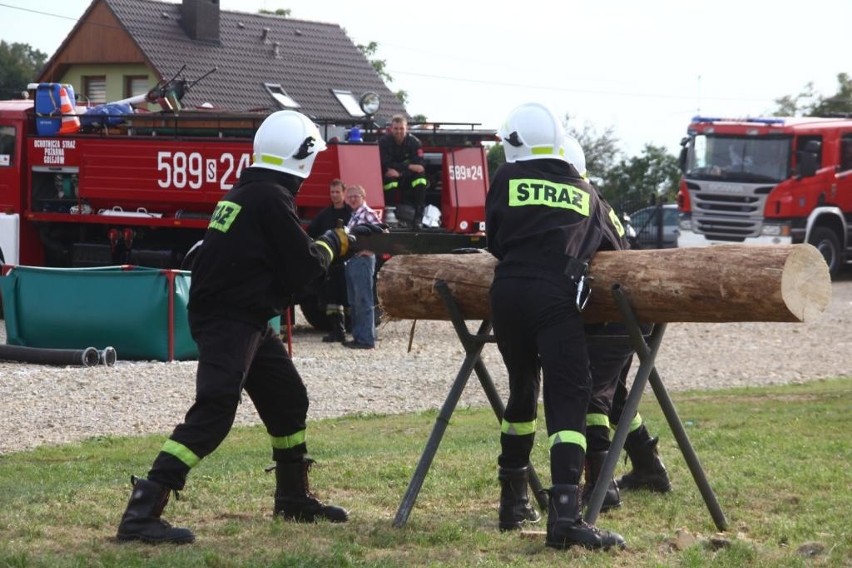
(541, 336)
(233, 356)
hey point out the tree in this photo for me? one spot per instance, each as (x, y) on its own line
(810, 103)
(380, 65)
(601, 150)
(651, 177)
(19, 65)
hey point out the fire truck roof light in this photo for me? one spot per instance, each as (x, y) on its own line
(768, 121)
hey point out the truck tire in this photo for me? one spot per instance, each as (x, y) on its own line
(828, 245)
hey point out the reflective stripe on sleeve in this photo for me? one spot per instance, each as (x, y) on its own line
(327, 248)
(619, 228)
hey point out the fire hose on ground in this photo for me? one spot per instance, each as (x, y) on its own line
(88, 357)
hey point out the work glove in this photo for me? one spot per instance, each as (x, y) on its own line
(337, 242)
(367, 229)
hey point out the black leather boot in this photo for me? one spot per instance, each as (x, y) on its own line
(593, 465)
(648, 470)
(141, 520)
(515, 508)
(565, 527)
(294, 500)
(338, 332)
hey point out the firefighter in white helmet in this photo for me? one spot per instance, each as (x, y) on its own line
(254, 257)
(544, 222)
(575, 156)
(609, 364)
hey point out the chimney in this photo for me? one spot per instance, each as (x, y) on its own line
(200, 19)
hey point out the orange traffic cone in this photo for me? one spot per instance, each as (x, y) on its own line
(70, 121)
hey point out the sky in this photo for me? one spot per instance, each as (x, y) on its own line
(639, 68)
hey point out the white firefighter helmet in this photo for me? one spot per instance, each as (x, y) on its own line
(574, 154)
(287, 141)
(532, 132)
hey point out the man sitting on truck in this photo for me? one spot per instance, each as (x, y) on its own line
(403, 172)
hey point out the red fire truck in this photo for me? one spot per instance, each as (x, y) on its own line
(142, 191)
(785, 178)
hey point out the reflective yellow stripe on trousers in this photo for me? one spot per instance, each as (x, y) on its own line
(518, 428)
(568, 437)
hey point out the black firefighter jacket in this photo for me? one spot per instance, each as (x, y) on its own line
(255, 254)
(540, 213)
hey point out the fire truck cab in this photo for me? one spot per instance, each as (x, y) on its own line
(789, 179)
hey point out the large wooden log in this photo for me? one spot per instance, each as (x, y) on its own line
(723, 283)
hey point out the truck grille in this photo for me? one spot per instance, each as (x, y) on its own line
(727, 216)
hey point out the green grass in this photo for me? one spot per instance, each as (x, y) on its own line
(777, 458)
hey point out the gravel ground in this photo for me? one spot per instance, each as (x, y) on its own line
(52, 405)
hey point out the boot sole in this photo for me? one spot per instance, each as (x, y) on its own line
(565, 545)
(517, 526)
(133, 537)
(654, 488)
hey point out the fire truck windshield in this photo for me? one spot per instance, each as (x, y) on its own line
(739, 158)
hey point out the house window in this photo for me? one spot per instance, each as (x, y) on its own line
(349, 102)
(7, 145)
(280, 95)
(94, 88)
(135, 85)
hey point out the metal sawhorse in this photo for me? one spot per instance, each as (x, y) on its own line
(646, 351)
(473, 345)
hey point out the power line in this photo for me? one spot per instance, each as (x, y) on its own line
(39, 12)
(527, 85)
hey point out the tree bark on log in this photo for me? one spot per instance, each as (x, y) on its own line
(720, 283)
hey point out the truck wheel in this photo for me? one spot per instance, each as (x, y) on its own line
(828, 245)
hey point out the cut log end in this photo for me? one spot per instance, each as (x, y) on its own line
(806, 283)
